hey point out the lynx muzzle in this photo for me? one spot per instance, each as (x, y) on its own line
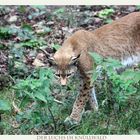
(63, 81)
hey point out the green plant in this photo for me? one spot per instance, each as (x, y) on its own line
(56, 46)
(118, 91)
(59, 11)
(35, 92)
(123, 84)
(4, 108)
(4, 33)
(32, 43)
(108, 21)
(106, 13)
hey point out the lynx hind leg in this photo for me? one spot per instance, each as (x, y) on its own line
(93, 100)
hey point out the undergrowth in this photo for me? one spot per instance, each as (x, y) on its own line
(41, 113)
(35, 103)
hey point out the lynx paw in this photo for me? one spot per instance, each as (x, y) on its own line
(70, 121)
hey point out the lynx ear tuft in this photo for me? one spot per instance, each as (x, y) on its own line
(74, 59)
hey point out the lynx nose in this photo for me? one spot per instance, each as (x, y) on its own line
(63, 81)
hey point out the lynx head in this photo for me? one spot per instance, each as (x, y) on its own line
(65, 65)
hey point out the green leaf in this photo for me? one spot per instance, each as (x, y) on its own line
(59, 11)
(30, 17)
(94, 76)
(113, 63)
(27, 27)
(40, 96)
(25, 101)
(105, 13)
(97, 58)
(133, 132)
(2, 46)
(131, 75)
(47, 30)
(4, 33)
(137, 76)
(56, 46)
(4, 106)
(42, 73)
(108, 21)
(22, 9)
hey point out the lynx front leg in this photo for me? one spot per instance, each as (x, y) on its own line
(93, 102)
(79, 104)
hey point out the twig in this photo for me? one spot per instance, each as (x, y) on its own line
(57, 101)
(72, 127)
(45, 52)
(53, 119)
(16, 109)
(12, 79)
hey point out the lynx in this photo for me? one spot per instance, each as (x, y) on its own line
(119, 40)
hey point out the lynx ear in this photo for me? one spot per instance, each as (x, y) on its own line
(49, 56)
(74, 59)
(51, 60)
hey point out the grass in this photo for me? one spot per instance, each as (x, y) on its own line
(115, 116)
(119, 103)
(108, 120)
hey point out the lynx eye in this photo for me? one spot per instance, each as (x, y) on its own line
(57, 75)
(69, 74)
